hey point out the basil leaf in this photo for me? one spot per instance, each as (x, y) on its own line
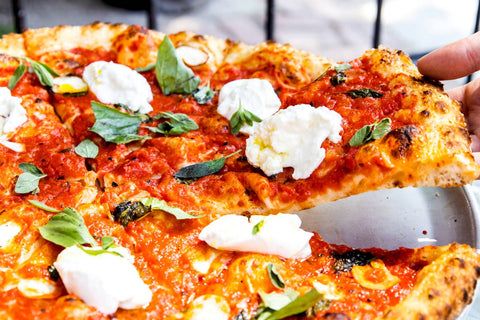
(202, 169)
(173, 75)
(240, 117)
(116, 126)
(95, 251)
(204, 95)
(128, 211)
(87, 149)
(338, 78)
(299, 305)
(276, 301)
(381, 129)
(275, 277)
(342, 67)
(179, 123)
(43, 206)
(67, 229)
(17, 75)
(44, 73)
(108, 242)
(256, 228)
(370, 132)
(156, 204)
(147, 68)
(364, 93)
(28, 181)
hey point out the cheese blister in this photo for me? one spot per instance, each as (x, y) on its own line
(293, 138)
(275, 234)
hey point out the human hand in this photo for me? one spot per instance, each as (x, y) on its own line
(454, 61)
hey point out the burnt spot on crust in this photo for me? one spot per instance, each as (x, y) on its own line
(441, 106)
(336, 316)
(461, 263)
(421, 316)
(402, 140)
(477, 271)
(425, 113)
(433, 293)
(427, 80)
(198, 37)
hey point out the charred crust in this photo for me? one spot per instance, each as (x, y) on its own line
(403, 137)
(461, 263)
(427, 80)
(421, 316)
(425, 113)
(441, 106)
(477, 271)
(465, 295)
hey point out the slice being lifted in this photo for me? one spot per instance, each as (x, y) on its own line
(147, 123)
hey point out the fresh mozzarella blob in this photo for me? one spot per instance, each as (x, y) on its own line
(208, 307)
(254, 95)
(12, 116)
(275, 234)
(105, 281)
(37, 288)
(8, 231)
(69, 85)
(115, 83)
(292, 138)
(191, 56)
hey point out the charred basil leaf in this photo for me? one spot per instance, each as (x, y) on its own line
(204, 95)
(338, 78)
(28, 181)
(179, 123)
(345, 261)
(53, 273)
(275, 277)
(17, 75)
(321, 305)
(116, 126)
(364, 93)
(128, 211)
(371, 132)
(173, 75)
(202, 169)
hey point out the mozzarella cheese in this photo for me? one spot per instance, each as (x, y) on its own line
(191, 56)
(12, 116)
(70, 85)
(37, 288)
(254, 95)
(8, 231)
(105, 281)
(275, 234)
(115, 83)
(208, 307)
(293, 138)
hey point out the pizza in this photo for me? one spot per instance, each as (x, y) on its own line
(153, 176)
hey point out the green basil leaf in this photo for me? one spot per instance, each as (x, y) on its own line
(370, 132)
(204, 95)
(95, 251)
(240, 117)
(147, 68)
(44, 73)
(173, 75)
(156, 204)
(275, 301)
(256, 228)
(108, 242)
(342, 67)
(43, 206)
(67, 229)
(364, 93)
(87, 149)
(116, 126)
(179, 123)
(202, 169)
(17, 75)
(28, 181)
(381, 129)
(275, 277)
(299, 305)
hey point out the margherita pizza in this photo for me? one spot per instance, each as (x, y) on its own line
(152, 176)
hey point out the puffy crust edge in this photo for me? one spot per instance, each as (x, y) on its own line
(444, 287)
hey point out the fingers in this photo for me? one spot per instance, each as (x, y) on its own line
(453, 61)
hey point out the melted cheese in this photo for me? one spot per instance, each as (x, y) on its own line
(8, 231)
(293, 138)
(254, 95)
(105, 281)
(275, 234)
(191, 56)
(115, 83)
(70, 85)
(208, 307)
(12, 116)
(374, 276)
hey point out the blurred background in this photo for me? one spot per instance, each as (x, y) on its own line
(338, 29)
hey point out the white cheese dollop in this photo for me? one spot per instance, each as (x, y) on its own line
(8, 231)
(208, 307)
(255, 95)
(275, 234)
(115, 83)
(293, 138)
(12, 116)
(105, 281)
(69, 84)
